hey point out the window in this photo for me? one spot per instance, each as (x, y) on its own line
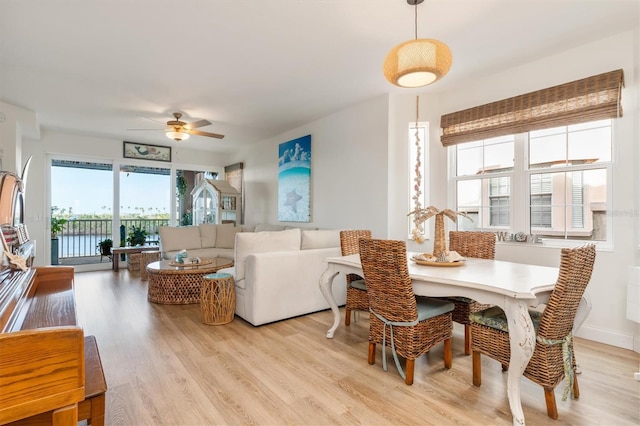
(552, 182)
(568, 175)
(540, 200)
(499, 189)
(484, 171)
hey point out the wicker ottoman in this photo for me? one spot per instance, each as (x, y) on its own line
(218, 299)
(133, 262)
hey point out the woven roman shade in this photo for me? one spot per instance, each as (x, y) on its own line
(589, 99)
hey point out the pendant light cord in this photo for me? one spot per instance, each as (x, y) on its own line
(415, 20)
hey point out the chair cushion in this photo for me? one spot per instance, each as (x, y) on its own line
(461, 299)
(359, 284)
(429, 308)
(495, 317)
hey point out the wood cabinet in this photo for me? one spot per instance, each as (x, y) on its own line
(215, 201)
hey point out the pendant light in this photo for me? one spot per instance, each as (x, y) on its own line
(418, 62)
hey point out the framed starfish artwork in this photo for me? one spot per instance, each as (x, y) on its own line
(294, 180)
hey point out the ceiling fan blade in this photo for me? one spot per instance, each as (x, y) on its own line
(199, 123)
(146, 129)
(200, 133)
(151, 119)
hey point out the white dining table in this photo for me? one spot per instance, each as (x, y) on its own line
(512, 286)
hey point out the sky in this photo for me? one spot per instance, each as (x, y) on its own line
(90, 191)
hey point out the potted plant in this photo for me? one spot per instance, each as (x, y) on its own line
(105, 246)
(137, 236)
(57, 225)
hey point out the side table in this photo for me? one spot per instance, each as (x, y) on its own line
(218, 299)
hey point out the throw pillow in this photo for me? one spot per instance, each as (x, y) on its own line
(248, 243)
(179, 238)
(208, 234)
(320, 239)
(226, 235)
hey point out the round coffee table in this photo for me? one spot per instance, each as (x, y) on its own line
(180, 285)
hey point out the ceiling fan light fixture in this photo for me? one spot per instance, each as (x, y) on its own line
(178, 135)
(419, 62)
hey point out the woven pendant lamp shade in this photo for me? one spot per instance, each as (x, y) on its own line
(417, 63)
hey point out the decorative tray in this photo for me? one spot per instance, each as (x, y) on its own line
(192, 264)
(434, 263)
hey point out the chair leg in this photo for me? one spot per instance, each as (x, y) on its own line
(550, 399)
(372, 353)
(347, 317)
(477, 369)
(467, 339)
(576, 389)
(409, 369)
(448, 356)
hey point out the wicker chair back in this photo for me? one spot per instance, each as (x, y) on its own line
(481, 245)
(384, 264)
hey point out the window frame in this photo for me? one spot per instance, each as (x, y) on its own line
(520, 193)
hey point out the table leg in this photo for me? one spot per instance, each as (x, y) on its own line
(116, 262)
(326, 282)
(522, 341)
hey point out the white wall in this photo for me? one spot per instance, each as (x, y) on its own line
(607, 322)
(348, 170)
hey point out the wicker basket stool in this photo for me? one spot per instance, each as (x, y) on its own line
(146, 257)
(133, 262)
(218, 299)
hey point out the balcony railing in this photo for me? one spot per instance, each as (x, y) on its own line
(80, 237)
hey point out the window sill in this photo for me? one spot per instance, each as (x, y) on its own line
(555, 244)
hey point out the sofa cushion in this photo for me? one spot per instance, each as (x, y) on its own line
(260, 242)
(320, 239)
(226, 235)
(179, 238)
(208, 234)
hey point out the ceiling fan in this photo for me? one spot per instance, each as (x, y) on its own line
(179, 130)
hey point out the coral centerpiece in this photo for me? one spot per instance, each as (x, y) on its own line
(422, 215)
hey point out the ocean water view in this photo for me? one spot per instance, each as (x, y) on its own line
(79, 245)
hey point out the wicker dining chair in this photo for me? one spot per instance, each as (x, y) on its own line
(357, 298)
(470, 244)
(410, 326)
(553, 357)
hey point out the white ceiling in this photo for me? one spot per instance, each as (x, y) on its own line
(257, 68)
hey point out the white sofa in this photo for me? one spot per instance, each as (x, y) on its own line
(277, 273)
(206, 240)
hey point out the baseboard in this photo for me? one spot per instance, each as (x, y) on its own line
(609, 337)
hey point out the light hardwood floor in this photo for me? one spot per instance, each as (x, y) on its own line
(164, 367)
